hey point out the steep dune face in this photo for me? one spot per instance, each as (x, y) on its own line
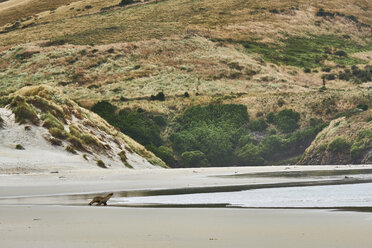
(37, 134)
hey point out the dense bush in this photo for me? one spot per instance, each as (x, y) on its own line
(249, 155)
(213, 130)
(338, 145)
(137, 125)
(258, 125)
(194, 159)
(164, 153)
(126, 2)
(159, 97)
(287, 120)
(24, 113)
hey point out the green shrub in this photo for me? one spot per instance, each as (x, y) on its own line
(164, 153)
(76, 143)
(258, 125)
(1, 122)
(126, 2)
(124, 159)
(19, 147)
(369, 119)
(194, 159)
(246, 139)
(51, 122)
(24, 114)
(341, 53)
(271, 145)
(249, 155)
(356, 150)
(58, 133)
(90, 140)
(287, 120)
(338, 145)
(71, 150)
(101, 164)
(160, 121)
(159, 97)
(270, 117)
(363, 107)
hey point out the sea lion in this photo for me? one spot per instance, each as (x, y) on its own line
(101, 200)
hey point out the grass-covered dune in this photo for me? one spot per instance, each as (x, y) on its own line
(69, 129)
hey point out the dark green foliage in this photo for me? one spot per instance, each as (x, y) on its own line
(164, 153)
(356, 150)
(287, 120)
(1, 122)
(159, 97)
(233, 115)
(271, 145)
(126, 2)
(363, 107)
(186, 95)
(258, 125)
(19, 147)
(270, 117)
(249, 155)
(194, 159)
(341, 53)
(137, 125)
(213, 130)
(357, 75)
(246, 139)
(101, 164)
(338, 145)
(369, 119)
(160, 121)
(323, 13)
(105, 109)
(307, 70)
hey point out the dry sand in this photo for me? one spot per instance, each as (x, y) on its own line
(41, 226)
(33, 225)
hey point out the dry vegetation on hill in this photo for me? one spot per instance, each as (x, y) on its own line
(267, 55)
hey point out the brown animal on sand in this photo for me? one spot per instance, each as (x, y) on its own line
(101, 200)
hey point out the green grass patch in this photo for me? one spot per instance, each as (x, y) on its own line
(309, 52)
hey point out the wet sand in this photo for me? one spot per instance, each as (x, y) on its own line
(54, 226)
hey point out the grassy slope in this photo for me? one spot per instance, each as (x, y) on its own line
(222, 50)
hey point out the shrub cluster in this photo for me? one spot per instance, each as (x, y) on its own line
(356, 74)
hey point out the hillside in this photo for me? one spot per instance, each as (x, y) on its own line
(40, 125)
(152, 62)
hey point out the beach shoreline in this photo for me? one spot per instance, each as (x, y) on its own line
(50, 209)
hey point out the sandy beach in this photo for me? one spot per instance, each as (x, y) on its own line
(50, 210)
(42, 226)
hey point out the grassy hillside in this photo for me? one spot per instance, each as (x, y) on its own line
(268, 56)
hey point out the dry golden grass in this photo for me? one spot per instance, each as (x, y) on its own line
(235, 19)
(15, 10)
